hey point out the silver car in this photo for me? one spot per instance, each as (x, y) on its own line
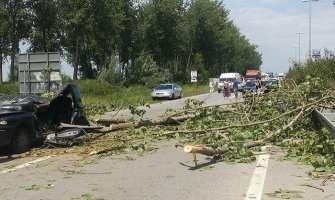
(169, 90)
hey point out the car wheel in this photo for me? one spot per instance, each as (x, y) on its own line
(21, 141)
(173, 96)
(219, 90)
(153, 98)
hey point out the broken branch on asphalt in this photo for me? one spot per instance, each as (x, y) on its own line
(209, 151)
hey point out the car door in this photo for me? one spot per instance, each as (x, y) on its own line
(176, 89)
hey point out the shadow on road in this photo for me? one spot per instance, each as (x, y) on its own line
(5, 156)
(202, 165)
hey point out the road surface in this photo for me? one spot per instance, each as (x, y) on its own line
(158, 109)
(166, 173)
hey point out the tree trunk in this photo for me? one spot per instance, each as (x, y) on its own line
(76, 58)
(12, 54)
(190, 53)
(44, 41)
(148, 122)
(1, 67)
(209, 151)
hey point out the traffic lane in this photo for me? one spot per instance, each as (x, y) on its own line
(7, 163)
(155, 110)
(158, 109)
(168, 173)
(165, 174)
(290, 178)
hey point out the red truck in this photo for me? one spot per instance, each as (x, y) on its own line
(252, 74)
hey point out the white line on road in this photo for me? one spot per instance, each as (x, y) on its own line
(257, 181)
(25, 165)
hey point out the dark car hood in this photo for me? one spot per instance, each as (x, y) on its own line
(12, 99)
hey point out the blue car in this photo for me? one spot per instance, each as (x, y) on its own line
(249, 86)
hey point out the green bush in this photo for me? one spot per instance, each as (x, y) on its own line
(324, 69)
(9, 88)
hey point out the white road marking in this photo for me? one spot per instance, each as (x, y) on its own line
(257, 181)
(25, 165)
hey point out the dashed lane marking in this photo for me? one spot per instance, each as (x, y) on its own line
(256, 185)
(25, 165)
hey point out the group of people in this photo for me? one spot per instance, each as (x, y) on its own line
(234, 84)
(226, 88)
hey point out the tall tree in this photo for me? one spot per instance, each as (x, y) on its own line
(106, 27)
(127, 34)
(158, 31)
(19, 29)
(46, 33)
(92, 33)
(75, 15)
(4, 37)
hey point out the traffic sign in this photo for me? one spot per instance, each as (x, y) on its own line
(194, 75)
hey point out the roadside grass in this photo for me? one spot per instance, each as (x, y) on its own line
(100, 97)
(93, 91)
(9, 88)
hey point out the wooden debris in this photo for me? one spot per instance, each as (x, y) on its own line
(208, 151)
(108, 121)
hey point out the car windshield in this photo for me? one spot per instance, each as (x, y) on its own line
(164, 87)
(275, 81)
(266, 82)
(250, 84)
(227, 79)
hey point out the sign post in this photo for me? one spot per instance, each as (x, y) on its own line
(39, 72)
(194, 76)
(316, 53)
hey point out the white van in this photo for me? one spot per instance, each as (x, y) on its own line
(229, 77)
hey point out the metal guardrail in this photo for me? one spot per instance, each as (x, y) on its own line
(327, 118)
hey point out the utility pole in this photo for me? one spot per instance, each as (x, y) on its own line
(300, 33)
(310, 27)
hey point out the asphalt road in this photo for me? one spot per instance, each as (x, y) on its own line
(158, 109)
(166, 173)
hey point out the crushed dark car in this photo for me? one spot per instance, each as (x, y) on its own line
(27, 118)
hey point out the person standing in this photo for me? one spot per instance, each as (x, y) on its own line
(226, 92)
(235, 88)
(258, 85)
(211, 87)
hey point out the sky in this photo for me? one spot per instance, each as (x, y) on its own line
(273, 25)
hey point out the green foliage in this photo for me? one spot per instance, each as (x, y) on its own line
(96, 88)
(40, 187)
(322, 68)
(100, 96)
(9, 88)
(303, 139)
(145, 71)
(135, 110)
(175, 35)
(47, 26)
(17, 16)
(198, 64)
(112, 75)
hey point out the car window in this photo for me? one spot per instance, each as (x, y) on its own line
(164, 87)
(250, 84)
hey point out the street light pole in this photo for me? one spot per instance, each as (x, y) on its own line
(310, 27)
(295, 54)
(300, 33)
(310, 30)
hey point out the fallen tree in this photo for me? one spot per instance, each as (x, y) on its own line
(209, 151)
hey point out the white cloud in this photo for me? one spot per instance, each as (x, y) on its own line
(272, 24)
